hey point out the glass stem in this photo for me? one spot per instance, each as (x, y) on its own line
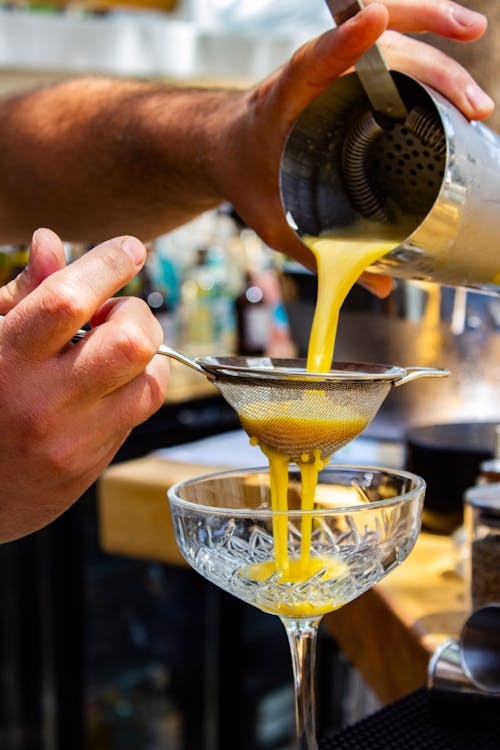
(302, 637)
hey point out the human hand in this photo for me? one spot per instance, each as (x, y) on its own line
(259, 122)
(65, 409)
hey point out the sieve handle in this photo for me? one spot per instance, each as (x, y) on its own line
(414, 373)
(372, 68)
(163, 349)
(167, 351)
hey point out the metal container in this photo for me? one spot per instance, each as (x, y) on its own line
(465, 674)
(437, 172)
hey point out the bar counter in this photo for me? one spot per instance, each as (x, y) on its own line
(389, 633)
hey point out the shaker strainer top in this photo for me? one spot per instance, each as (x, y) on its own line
(394, 154)
(395, 169)
(343, 160)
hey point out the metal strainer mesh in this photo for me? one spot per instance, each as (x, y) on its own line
(296, 412)
(303, 414)
(303, 419)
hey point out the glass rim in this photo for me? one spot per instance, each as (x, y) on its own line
(419, 486)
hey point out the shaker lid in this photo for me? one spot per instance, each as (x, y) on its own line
(485, 496)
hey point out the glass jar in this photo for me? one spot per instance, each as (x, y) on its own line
(489, 471)
(482, 521)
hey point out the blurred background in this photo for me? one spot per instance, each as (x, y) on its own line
(102, 651)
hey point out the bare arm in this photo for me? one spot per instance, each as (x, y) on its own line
(93, 158)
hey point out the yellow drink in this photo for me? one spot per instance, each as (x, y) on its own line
(299, 571)
(340, 258)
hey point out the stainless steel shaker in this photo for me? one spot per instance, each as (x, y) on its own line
(433, 171)
(465, 673)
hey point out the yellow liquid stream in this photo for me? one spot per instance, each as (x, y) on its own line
(340, 259)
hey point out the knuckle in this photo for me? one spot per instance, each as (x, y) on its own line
(60, 458)
(390, 42)
(62, 301)
(114, 262)
(134, 345)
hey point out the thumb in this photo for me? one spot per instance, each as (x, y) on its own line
(46, 257)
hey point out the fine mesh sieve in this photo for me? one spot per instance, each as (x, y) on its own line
(302, 419)
(302, 414)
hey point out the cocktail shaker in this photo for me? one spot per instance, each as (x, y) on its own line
(431, 171)
(465, 673)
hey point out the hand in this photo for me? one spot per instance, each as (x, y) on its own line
(268, 111)
(65, 408)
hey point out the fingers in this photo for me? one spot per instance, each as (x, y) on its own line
(441, 17)
(47, 319)
(117, 350)
(377, 284)
(141, 398)
(320, 62)
(46, 257)
(436, 69)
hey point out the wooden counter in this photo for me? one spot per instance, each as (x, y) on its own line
(388, 633)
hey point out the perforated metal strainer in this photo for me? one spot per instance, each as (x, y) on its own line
(296, 412)
(394, 154)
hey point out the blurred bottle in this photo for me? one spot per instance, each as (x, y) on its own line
(207, 315)
(262, 321)
(196, 291)
(161, 290)
(13, 258)
(252, 319)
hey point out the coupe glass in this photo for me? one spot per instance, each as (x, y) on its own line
(298, 564)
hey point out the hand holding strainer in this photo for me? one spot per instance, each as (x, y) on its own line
(303, 414)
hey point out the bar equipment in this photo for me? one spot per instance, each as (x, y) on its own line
(465, 673)
(482, 521)
(326, 410)
(424, 166)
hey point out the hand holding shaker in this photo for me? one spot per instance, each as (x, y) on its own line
(381, 146)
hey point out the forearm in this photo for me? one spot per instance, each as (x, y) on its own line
(93, 158)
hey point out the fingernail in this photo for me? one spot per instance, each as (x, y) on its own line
(37, 236)
(477, 98)
(465, 17)
(134, 249)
